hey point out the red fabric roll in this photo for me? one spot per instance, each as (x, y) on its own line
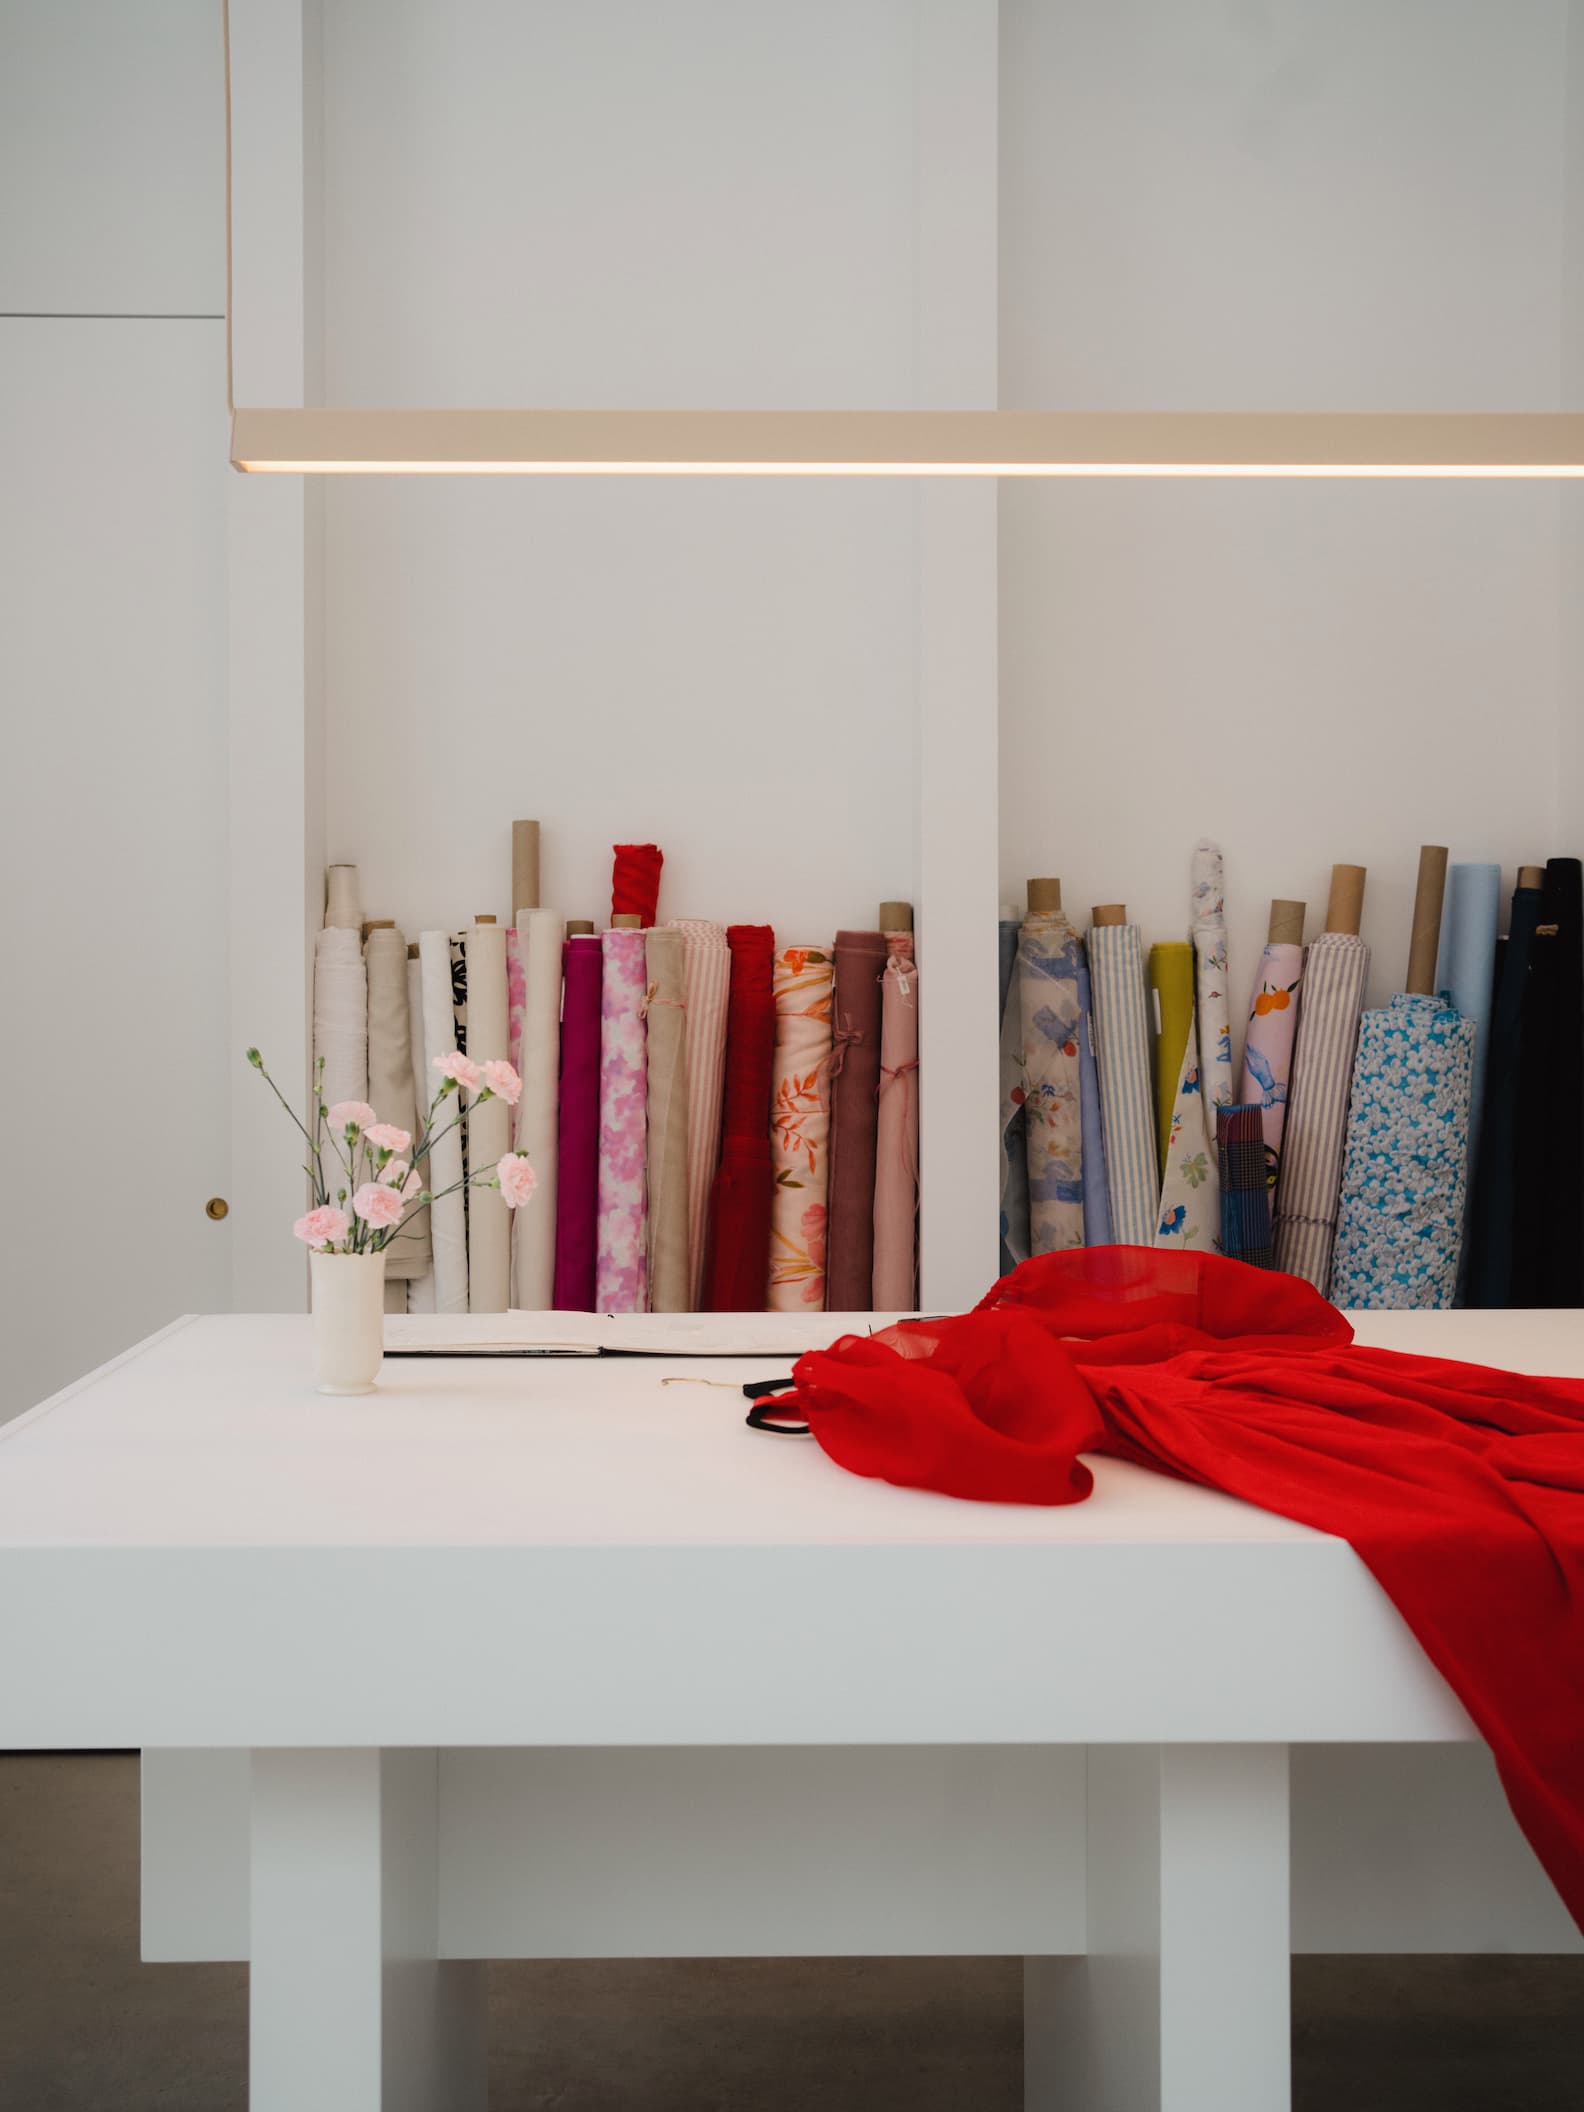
(1461, 1488)
(635, 881)
(577, 1164)
(738, 1263)
(855, 1083)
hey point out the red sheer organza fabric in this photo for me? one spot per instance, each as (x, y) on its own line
(1462, 1488)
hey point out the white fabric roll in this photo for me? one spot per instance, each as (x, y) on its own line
(340, 1015)
(539, 936)
(343, 898)
(447, 1218)
(421, 1290)
(489, 1122)
(707, 978)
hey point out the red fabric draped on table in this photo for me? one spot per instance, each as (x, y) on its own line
(738, 1264)
(1461, 1488)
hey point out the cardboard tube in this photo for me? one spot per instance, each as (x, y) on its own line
(1043, 896)
(412, 949)
(343, 899)
(896, 916)
(1426, 940)
(525, 866)
(379, 924)
(627, 920)
(1108, 913)
(1345, 910)
(484, 919)
(1286, 923)
(1531, 876)
(579, 928)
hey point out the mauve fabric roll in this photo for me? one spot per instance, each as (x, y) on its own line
(855, 1082)
(1014, 1146)
(1096, 1196)
(1489, 1240)
(489, 1123)
(706, 969)
(667, 1115)
(391, 1077)
(421, 1290)
(621, 1258)
(340, 1015)
(577, 1129)
(447, 1216)
(800, 1129)
(538, 938)
(738, 1260)
(897, 1140)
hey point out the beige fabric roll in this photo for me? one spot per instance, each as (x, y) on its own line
(340, 1015)
(489, 1122)
(448, 1218)
(706, 973)
(421, 1289)
(391, 1079)
(539, 935)
(897, 1141)
(670, 1288)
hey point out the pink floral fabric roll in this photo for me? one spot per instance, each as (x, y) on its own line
(516, 999)
(621, 1269)
(800, 1127)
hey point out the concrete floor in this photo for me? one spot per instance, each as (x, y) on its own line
(83, 2024)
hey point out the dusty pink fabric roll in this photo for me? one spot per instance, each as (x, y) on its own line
(621, 1281)
(897, 1140)
(706, 975)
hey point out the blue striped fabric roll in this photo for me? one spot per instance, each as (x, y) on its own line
(1335, 973)
(1120, 1023)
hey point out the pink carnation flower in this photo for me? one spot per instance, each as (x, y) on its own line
(503, 1081)
(517, 1179)
(404, 1179)
(322, 1227)
(350, 1114)
(385, 1136)
(378, 1205)
(462, 1068)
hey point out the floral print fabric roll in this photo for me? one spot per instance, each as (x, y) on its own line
(1190, 1201)
(1268, 1045)
(621, 1268)
(1400, 1221)
(1047, 981)
(800, 1127)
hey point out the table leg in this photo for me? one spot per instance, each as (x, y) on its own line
(1182, 2003)
(350, 2010)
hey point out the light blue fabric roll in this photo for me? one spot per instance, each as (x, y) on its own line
(1466, 967)
(1097, 1200)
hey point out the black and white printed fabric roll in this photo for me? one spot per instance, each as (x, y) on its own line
(1335, 973)
(421, 1290)
(443, 1175)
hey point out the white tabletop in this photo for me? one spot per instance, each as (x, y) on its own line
(197, 1548)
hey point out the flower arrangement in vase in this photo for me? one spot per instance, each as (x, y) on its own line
(367, 1185)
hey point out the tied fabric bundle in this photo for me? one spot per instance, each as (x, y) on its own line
(635, 881)
(1462, 1489)
(738, 1260)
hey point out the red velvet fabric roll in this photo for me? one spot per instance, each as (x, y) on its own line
(738, 1263)
(855, 1082)
(635, 881)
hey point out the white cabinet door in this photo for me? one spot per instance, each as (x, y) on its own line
(114, 981)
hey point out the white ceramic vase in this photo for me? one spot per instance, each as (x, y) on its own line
(348, 1320)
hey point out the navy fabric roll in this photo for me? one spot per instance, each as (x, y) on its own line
(1014, 1149)
(1492, 1225)
(1245, 1189)
(1550, 1257)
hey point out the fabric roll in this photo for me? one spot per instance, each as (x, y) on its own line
(800, 1128)
(1212, 990)
(1404, 1176)
(1122, 1058)
(860, 958)
(577, 1127)
(1336, 971)
(1190, 1199)
(635, 880)
(1550, 1256)
(516, 995)
(1268, 1042)
(1171, 976)
(1096, 1197)
(737, 1260)
(489, 1123)
(537, 945)
(1466, 965)
(340, 1015)
(666, 1091)
(1047, 982)
(343, 898)
(459, 1005)
(390, 1092)
(443, 1174)
(1244, 1188)
(621, 1270)
(895, 1283)
(1490, 1239)
(707, 980)
(1015, 1235)
(421, 1288)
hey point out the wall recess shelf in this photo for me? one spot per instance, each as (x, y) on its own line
(895, 443)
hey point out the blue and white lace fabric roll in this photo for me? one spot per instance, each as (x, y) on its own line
(1405, 1177)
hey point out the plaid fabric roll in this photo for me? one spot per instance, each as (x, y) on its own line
(1245, 1194)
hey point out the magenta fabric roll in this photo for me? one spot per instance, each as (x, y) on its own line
(577, 1182)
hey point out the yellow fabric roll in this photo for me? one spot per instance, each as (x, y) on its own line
(1171, 974)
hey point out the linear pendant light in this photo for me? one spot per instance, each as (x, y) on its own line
(911, 443)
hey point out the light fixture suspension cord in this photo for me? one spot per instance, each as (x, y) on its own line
(225, 19)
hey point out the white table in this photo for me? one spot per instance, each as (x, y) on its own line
(551, 1658)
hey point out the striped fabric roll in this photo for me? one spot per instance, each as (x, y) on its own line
(1245, 1191)
(1335, 973)
(706, 971)
(1122, 1052)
